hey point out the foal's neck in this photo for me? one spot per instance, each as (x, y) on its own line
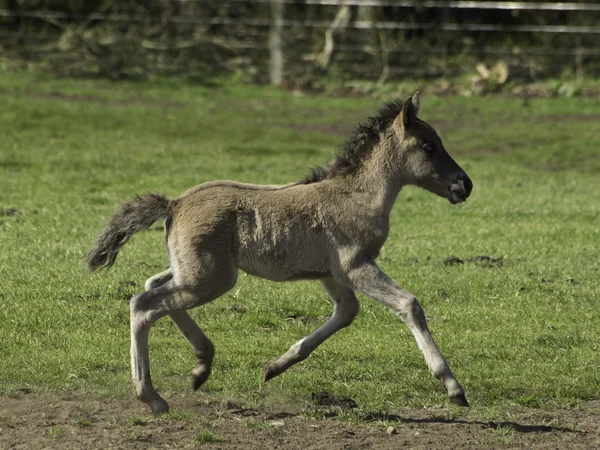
(377, 182)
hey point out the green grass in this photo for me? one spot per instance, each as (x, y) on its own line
(524, 333)
(206, 436)
(84, 423)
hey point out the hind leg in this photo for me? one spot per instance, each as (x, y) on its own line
(172, 298)
(203, 347)
(159, 279)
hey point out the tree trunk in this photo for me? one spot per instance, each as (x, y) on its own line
(276, 43)
(342, 18)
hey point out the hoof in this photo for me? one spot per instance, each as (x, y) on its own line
(459, 400)
(199, 376)
(270, 371)
(159, 406)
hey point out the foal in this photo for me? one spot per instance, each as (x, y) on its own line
(329, 227)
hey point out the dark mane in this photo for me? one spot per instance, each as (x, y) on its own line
(358, 147)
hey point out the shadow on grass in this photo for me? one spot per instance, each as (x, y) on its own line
(520, 428)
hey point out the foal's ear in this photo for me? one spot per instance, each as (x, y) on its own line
(416, 102)
(408, 113)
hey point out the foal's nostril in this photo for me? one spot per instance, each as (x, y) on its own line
(458, 189)
(462, 188)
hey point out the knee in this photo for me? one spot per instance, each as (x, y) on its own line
(141, 313)
(136, 311)
(137, 303)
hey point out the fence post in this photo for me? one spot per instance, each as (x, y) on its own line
(276, 43)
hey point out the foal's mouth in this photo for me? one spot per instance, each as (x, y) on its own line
(455, 200)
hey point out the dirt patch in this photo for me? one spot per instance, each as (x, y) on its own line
(483, 261)
(325, 399)
(78, 420)
(71, 98)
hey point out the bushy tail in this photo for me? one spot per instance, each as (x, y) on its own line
(133, 216)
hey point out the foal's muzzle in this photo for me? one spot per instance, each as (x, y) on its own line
(460, 189)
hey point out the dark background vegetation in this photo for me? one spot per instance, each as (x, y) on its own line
(131, 38)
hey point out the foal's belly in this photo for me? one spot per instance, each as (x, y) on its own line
(283, 264)
(285, 257)
(285, 275)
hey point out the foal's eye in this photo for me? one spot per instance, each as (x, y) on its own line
(428, 148)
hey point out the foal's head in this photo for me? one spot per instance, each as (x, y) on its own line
(422, 158)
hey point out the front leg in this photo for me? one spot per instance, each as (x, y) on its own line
(369, 279)
(345, 310)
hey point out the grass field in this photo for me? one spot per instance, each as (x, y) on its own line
(523, 332)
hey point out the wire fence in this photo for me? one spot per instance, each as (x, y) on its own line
(548, 6)
(265, 22)
(429, 37)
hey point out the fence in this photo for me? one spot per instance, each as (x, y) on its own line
(358, 38)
